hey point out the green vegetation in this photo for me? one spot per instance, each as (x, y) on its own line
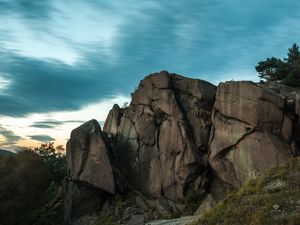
(287, 70)
(30, 189)
(54, 158)
(271, 199)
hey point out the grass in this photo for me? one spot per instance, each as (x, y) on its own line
(270, 199)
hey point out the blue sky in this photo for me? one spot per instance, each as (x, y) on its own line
(60, 58)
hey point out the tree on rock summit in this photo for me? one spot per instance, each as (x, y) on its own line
(286, 71)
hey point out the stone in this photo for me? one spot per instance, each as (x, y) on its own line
(287, 129)
(179, 221)
(208, 203)
(80, 200)
(136, 220)
(251, 132)
(86, 220)
(141, 203)
(179, 140)
(113, 120)
(161, 139)
(163, 208)
(250, 103)
(88, 157)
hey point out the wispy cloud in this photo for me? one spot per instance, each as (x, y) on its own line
(53, 123)
(54, 59)
(11, 139)
(42, 138)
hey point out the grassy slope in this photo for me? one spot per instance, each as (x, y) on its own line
(270, 199)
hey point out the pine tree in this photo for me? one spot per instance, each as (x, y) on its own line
(287, 70)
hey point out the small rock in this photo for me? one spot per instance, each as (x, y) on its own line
(129, 212)
(140, 203)
(206, 205)
(276, 184)
(163, 207)
(136, 220)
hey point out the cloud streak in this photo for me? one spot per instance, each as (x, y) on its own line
(53, 123)
(11, 139)
(65, 61)
(42, 138)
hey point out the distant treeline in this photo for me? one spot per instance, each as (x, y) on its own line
(30, 186)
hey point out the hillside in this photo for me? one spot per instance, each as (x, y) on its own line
(270, 199)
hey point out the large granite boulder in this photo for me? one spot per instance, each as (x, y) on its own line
(88, 159)
(251, 132)
(161, 138)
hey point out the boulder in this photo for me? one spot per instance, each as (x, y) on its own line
(208, 203)
(247, 102)
(113, 120)
(250, 134)
(88, 157)
(80, 201)
(161, 138)
(136, 220)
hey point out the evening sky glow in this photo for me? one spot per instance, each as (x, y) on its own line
(63, 63)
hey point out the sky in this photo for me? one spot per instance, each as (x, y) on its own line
(65, 62)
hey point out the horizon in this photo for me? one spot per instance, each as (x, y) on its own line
(60, 68)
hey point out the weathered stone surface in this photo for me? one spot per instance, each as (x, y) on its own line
(113, 120)
(87, 157)
(80, 200)
(176, 142)
(250, 103)
(162, 137)
(136, 220)
(287, 129)
(250, 134)
(206, 205)
(180, 221)
(257, 153)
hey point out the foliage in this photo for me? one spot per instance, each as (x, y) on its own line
(50, 213)
(24, 180)
(286, 70)
(271, 199)
(30, 186)
(54, 158)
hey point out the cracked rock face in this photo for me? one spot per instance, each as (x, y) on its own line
(250, 134)
(87, 157)
(161, 138)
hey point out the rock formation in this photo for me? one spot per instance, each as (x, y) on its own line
(161, 138)
(180, 141)
(90, 173)
(251, 132)
(88, 157)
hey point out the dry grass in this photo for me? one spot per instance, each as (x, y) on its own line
(271, 199)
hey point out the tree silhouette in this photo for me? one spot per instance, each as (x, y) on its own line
(286, 71)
